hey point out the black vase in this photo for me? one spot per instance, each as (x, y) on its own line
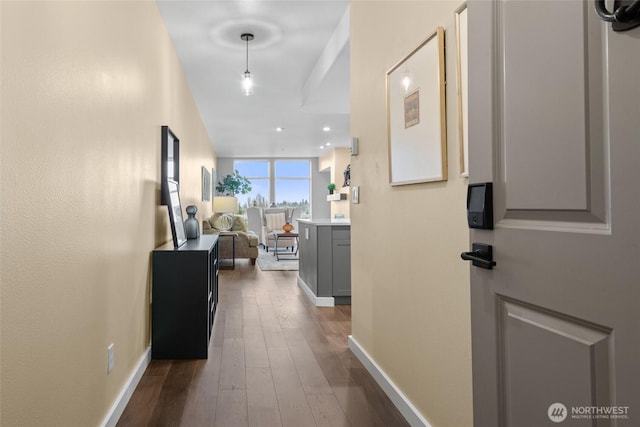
(191, 225)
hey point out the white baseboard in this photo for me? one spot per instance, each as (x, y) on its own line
(404, 405)
(317, 301)
(125, 394)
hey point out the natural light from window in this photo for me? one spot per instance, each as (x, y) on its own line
(281, 182)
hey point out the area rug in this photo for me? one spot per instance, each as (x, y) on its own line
(268, 262)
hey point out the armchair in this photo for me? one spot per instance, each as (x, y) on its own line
(254, 222)
(274, 219)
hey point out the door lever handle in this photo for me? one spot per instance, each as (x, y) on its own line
(481, 256)
(625, 15)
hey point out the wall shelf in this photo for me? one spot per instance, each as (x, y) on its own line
(336, 196)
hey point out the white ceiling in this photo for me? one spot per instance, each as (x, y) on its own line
(300, 63)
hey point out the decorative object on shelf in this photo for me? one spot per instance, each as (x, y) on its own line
(416, 121)
(191, 226)
(247, 80)
(331, 187)
(169, 162)
(287, 227)
(347, 176)
(206, 184)
(233, 184)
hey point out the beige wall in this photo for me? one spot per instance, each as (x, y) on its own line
(410, 288)
(336, 162)
(85, 89)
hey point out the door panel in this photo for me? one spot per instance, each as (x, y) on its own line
(531, 73)
(554, 123)
(542, 351)
(555, 155)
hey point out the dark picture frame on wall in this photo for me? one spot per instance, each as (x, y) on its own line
(175, 214)
(169, 162)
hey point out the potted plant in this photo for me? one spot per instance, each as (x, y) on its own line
(331, 187)
(233, 184)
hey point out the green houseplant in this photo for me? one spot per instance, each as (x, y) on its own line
(234, 184)
(331, 187)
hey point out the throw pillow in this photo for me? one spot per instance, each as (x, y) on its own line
(275, 221)
(221, 222)
(213, 218)
(239, 224)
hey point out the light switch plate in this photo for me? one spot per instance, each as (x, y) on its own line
(355, 194)
(353, 148)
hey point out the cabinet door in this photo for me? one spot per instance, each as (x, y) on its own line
(309, 268)
(341, 268)
(180, 309)
(213, 286)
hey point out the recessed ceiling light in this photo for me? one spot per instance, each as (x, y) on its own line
(322, 147)
(279, 129)
(328, 144)
(326, 128)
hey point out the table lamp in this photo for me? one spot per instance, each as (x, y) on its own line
(225, 204)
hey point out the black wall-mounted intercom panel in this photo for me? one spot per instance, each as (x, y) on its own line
(480, 205)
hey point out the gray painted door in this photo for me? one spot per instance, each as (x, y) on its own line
(554, 104)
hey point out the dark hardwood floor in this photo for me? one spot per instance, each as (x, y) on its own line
(274, 360)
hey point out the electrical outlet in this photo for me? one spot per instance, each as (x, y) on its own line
(110, 358)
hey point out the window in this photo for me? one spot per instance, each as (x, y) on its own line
(281, 182)
(257, 171)
(292, 182)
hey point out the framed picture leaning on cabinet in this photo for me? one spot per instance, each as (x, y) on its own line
(175, 214)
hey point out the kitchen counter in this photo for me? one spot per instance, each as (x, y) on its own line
(325, 222)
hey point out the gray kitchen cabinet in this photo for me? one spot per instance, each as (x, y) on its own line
(325, 261)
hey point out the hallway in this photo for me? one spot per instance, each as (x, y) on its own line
(274, 359)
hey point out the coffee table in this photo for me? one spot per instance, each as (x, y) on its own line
(279, 234)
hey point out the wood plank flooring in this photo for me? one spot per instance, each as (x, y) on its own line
(274, 360)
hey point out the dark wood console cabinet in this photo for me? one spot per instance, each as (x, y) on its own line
(184, 298)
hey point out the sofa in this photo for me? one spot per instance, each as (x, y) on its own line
(246, 241)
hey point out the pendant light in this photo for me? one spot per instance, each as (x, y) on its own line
(247, 79)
